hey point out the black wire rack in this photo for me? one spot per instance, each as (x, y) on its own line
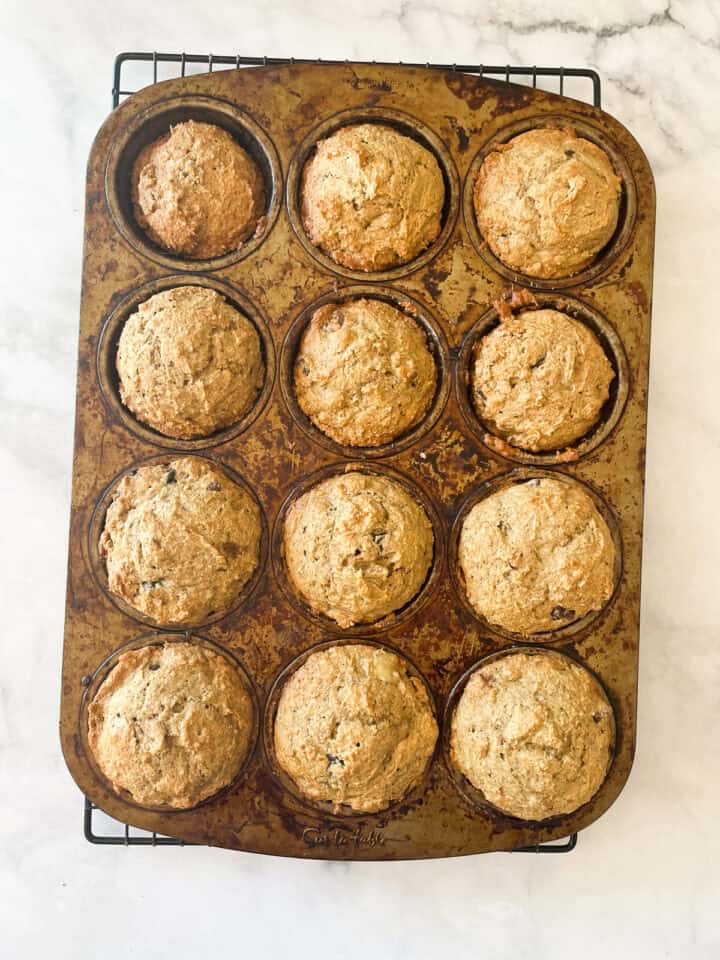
(147, 68)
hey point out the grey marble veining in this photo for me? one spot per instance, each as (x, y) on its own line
(644, 881)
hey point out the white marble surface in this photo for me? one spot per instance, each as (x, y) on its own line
(644, 881)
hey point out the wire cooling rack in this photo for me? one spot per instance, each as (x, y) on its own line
(132, 72)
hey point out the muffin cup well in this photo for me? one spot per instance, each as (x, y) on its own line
(437, 344)
(609, 415)
(327, 809)
(523, 475)
(97, 564)
(605, 258)
(415, 604)
(472, 794)
(152, 124)
(159, 638)
(107, 351)
(410, 127)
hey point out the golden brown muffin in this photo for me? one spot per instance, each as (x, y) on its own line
(181, 540)
(536, 556)
(357, 547)
(535, 733)
(197, 192)
(171, 724)
(540, 379)
(354, 727)
(364, 374)
(547, 202)
(372, 198)
(189, 364)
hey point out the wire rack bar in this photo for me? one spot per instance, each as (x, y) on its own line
(123, 834)
(211, 61)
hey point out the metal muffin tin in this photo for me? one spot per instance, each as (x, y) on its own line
(449, 460)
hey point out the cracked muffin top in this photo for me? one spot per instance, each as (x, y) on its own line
(547, 202)
(372, 198)
(180, 541)
(536, 556)
(357, 547)
(535, 733)
(364, 374)
(197, 192)
(189, 363)
(354, 726)
(539, 379)
(171, 724)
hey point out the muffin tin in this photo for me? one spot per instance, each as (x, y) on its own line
(448, 460)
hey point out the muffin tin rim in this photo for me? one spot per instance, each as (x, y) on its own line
(605, 425)
(411, 127)
(472, 794)
(283, 780)
(158, 638)
(570, 632)
(123, 219)
(396, 617)
(607, 256)
(420, 314)
(95, 524)
(112, 327)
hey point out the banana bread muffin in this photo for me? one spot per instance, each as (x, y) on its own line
(547, 202)
(180, 542)
(372, 198)
(535, 733)
(357, 547)
(197, 192)
(354, 727)
(188, 363)
(539, 380)
(536, 556)
(171, 724)
(364, 374)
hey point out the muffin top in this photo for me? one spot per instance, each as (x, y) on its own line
(364, 374)
(539, 379)
(189, 364)
(197, 192)
(171, 724)
(535, 733)
(372, 198)
(355, 727)
(181, 540)
(536, 556)
(357, 547)
(547, 201)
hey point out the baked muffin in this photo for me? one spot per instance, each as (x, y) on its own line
(180, 542)
(354, 727)
(188, 363)
(539, 380)
(547, 202)
(196, 192)
(171, 724)
(536, 556)
(372, 198)
(357, 547)
(535, 733)
(364, 374)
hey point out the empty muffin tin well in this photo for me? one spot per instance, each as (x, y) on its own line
(610, 413)
(92, 684)
(436, 342)
(446, 462)
(154, 123)
(612, 250)
(107, 351)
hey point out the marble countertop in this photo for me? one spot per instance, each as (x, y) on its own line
(644, 880)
